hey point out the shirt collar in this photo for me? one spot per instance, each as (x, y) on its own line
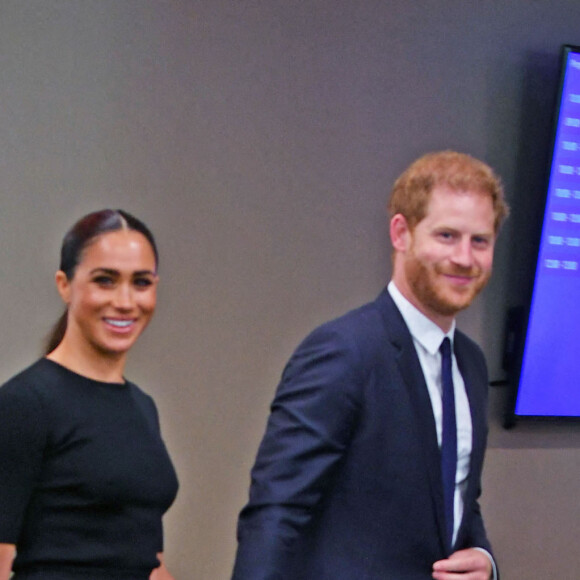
(422, 329)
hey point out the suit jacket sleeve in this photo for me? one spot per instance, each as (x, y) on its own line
(308, 430)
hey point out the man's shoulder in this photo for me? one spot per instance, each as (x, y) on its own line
(359, 318)
(364, 327)
(465, 343)
(469, 353)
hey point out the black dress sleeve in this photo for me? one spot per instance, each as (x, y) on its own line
(22, 443)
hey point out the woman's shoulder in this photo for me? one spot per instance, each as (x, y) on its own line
(21, 401)
(25, 380)
(143, 400)
(33, 384)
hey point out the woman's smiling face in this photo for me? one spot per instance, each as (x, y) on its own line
(112, 294)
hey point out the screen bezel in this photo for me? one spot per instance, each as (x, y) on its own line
(521, 315)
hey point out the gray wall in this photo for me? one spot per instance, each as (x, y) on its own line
(259, 139)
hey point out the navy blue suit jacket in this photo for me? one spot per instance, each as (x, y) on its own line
(347, 482)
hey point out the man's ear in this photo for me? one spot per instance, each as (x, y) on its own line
(400, 233)
(63, 286)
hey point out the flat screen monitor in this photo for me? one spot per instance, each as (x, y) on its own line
(548, 382)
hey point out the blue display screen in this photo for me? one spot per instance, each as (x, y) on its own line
(549, 382)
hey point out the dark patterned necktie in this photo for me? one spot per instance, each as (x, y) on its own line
(449, 438)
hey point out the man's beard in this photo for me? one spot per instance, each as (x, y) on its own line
(435, 294)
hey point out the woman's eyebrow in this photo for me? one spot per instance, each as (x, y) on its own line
(113, 272)
(105, 271)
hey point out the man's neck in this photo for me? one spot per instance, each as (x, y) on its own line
(444, 322)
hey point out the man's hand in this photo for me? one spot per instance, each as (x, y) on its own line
(7, 552)
(467, 564)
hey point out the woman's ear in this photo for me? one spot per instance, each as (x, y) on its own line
(63, 286)
(400, 233)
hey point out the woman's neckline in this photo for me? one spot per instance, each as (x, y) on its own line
(59, 365)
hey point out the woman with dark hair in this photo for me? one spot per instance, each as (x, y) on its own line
(84, 475)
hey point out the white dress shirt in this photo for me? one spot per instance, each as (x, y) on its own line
(427, 338)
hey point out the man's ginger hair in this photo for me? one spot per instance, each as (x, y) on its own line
(457, 171)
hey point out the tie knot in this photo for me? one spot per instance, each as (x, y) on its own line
(445, 347)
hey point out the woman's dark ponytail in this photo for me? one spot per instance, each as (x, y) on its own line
(56, 334)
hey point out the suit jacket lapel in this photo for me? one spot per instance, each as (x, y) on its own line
(410, 369)
(477, 401)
